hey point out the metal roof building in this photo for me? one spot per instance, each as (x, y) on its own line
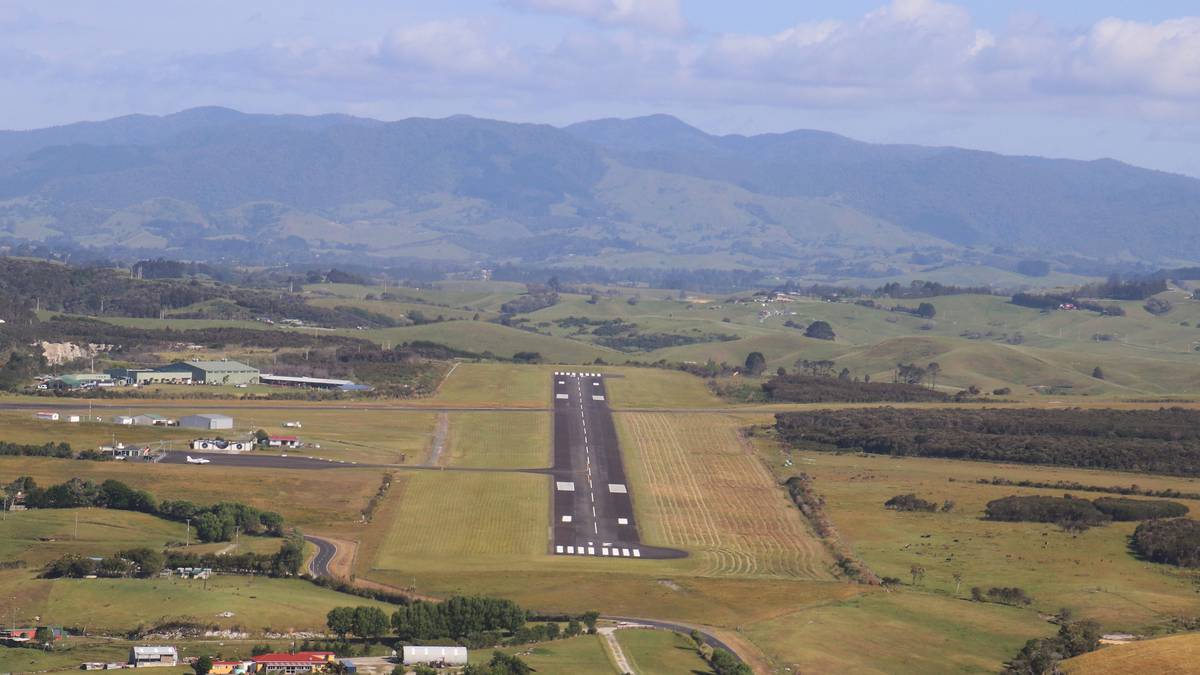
(444, 656)
(206, 421)
(156, 655)
(215, 372)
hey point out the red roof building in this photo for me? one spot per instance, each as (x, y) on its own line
(300, 662)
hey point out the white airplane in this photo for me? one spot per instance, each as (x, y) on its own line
(197, 460)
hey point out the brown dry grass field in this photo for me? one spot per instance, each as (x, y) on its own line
(697, 485)
(1173, 655)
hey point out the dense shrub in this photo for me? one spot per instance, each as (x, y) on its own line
(1124, 509)
(909, 502)
(1175, 541)
(1070, 513)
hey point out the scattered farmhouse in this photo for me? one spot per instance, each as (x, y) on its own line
(436, 657)
(283, 441)
(206, 421)
(155, 655)
(27, 634)
(46, 415)
(300, 662)
(219, 445)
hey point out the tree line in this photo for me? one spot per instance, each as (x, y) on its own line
(1073, 513)
(1164, 441)
(800, 388)
(146, 562)
(216, 522)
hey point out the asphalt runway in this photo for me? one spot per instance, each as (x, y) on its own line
(593, 509)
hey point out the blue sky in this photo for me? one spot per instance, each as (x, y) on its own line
(1066, 78)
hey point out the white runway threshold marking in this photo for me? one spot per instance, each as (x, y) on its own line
(597, 398)
(565, 485)
(618, 488)
(602, 551)
(566, 519)
(561, 396)
(620, 521)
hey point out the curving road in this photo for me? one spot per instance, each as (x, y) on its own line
(326, 550)
(709, 639)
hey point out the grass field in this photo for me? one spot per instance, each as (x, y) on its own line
(901, 632)
(1091, 573)
(655, 388)
(1173, 655)
(497, 384)
(499, 440)
(583, 655)
(469, 518)
(258, 604)
(332, 498)
(660, 652)
(698, 486)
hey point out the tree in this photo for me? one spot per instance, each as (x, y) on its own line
(574, 628)
(370, 622)
(1098, 373)
(43, 635)
(589, 619)
(202, 665)
(503, 664)
(819, 330)
(934, 368)
(261, 437)
(756, 363)
(957, 582)
(926, 310)
(340, 620)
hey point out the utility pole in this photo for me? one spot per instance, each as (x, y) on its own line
(76, 536)
(187, 533)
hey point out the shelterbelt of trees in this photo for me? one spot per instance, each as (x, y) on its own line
(217, 522)
(1164, 441)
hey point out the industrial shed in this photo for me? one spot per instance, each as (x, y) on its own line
(206, 421)
(155, 655)
(435, 656)
(214, 372)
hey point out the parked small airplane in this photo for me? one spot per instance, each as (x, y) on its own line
(197, 460)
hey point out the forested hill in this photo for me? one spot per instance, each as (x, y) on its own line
(215, 183)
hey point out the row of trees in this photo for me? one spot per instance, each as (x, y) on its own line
(799, 388)
(216, 522)
(1160, 441)
(146, 562)
(1079, 514)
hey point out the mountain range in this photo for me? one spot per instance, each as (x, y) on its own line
(213, 183)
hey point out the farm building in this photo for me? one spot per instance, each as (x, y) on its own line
(214, 372)
(300, 662)
(312, 382)
(206, 421)
(217, 445)
(435, 656)
(283, 441)
(150, 656)
(151, 419)
(123, 419)
(122, 451)
(46, 415)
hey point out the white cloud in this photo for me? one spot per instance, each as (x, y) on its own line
(662, 16)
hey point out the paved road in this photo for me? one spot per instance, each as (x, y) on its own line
(709, 639)
(593, 511)
(319, 565)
